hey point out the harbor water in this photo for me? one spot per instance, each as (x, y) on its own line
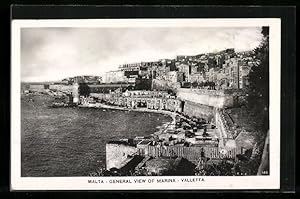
(71, 141)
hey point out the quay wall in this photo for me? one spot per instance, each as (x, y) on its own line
(117, 154)
(213, 98)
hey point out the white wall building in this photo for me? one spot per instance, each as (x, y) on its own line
(115, 76)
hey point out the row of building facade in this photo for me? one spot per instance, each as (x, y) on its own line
(155, 103)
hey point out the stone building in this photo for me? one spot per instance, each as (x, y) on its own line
(186, 58)
(231, 70)
(212, 74)
(130, 67)
(196, 77)
(37, 87)
(107, 88)
(186, 70)
(164, 104)
(173, 76)
(234, 74)
(194, 68)
(146, 101)
(61, 87)
(131, 76)
(145, 94)
(244, 76)
(115, 77)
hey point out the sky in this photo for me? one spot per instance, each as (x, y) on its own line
(51, 54)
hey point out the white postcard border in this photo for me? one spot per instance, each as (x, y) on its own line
(271, 181)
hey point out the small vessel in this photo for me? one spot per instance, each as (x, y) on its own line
(56, 105)
(60, 105)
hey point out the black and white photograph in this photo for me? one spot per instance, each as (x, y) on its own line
(144, 103)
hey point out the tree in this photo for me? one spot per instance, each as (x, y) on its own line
(195, 84)
(201, 85)
(258, 89)
(171, 91)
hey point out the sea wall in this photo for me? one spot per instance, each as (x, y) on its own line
(213, 98)
(117, 154)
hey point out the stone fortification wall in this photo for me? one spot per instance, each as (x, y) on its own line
(198, 110)
(117, 154)
(217, 99)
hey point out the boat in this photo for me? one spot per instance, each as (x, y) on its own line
(56, 105)
(61, 105)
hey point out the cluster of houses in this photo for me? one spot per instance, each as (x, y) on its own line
(212, 71)
(226, 69)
